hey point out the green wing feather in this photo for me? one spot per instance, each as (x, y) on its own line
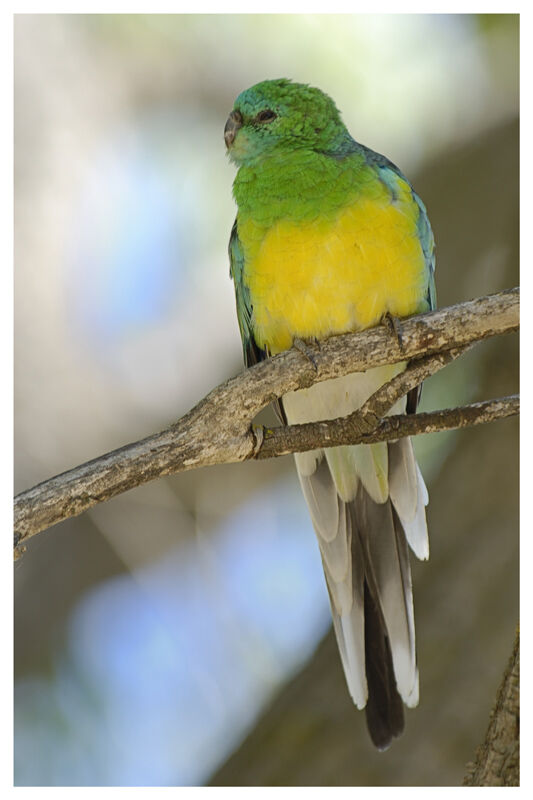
(252, 352)
(427, 241)
(425, 234)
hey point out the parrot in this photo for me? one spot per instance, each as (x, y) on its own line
(330, 237)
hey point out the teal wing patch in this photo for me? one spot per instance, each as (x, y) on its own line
(427, 241)
(425, 234)
(252, 353)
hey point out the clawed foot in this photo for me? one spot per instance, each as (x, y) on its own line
(394, 327)
(306, 351)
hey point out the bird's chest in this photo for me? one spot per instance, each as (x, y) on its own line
(325, 276)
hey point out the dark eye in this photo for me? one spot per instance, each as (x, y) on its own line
(266, 116)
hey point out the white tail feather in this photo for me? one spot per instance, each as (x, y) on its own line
(367, 504)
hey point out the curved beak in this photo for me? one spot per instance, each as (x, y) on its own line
(232, 126)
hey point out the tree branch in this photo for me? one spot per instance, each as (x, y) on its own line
(218, 430)
(347, 430)
(498, 758)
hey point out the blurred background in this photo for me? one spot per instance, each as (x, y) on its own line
(179, 634)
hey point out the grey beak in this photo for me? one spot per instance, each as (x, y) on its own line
(232, 126)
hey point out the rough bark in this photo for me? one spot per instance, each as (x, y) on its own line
(497, 761)
(218, 430)
(347, 430)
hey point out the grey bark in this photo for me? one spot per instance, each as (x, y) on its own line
(497, 761)
(218, 430)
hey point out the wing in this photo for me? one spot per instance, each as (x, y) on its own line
(427, 241)
(251, 351)
(390, 175)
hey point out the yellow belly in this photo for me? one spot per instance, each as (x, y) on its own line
(318, 278)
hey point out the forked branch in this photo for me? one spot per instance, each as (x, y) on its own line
(218, 430)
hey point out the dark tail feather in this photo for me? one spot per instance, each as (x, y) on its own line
(384, 709)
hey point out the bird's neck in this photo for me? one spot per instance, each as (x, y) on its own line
(295, 185)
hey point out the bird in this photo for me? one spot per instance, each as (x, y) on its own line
(330, 237)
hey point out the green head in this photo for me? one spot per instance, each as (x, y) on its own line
(280, 115)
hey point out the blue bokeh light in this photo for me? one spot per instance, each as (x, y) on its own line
(175, 661)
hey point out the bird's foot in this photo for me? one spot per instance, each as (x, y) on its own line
(394, 327)
(305, 349)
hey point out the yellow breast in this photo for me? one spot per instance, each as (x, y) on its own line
(318, 278)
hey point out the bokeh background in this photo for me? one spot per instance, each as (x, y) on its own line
(178, 635)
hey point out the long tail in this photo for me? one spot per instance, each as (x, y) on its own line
(367, 506)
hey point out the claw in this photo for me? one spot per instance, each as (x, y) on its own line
(258, 434)
(306, 351)
(394, 326)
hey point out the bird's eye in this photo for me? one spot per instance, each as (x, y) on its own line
(266, 116)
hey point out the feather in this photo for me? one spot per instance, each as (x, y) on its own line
(321, 497)
(384, 711)
(422, 487)
(403, 479)
(409, 495)
(337, 397)
(346, 600)
(416, 530)
(336, 553)
(388, 575)
(367, 505)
